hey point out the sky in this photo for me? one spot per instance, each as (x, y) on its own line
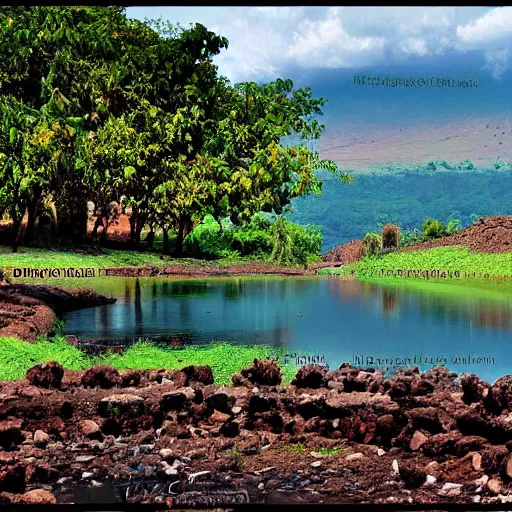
(269, 42)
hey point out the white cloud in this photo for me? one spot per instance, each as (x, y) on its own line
(266, 41)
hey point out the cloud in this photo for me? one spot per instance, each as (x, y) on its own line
(492, 34)
(265, 42)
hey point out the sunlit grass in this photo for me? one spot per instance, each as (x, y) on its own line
(17, 356)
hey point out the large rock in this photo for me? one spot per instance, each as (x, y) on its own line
(499, 396)
(310, 376)
(413, 476)
(474, 389)
(178, 399)
(121, 404)
(104, 377)
(46, 375)
(200, 374)
(11, 434)
(12, 479)
(265, 372)
(441, 444)
(220, 401)
(425, 418)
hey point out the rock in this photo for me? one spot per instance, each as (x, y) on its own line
(387, 428)
(12, 479)
(91, 429)
(220, 401)
(418, 440)
(440, 377)
(499, 396)
(11, 434)
(354, 456)
(506, 467)
(178, 399)
(425, 418)
(310, 376)
(167, 454)
(219, 417)
(201, 374)
(493, 457)
(477, 498)
(430, 480)
(476, 462)
(494, 485)
(316, 464)
(264, 372)
(85, 458)
(41, 438)
(474, 389)
(261, 486)
(413, 476)
(130, 378)
(46, 375)
(86, 475)
(104, 377)
(482, 480)
(194, 476)
(236, 410)
(237, 379)
(450, 489)
(119, 404)
(395, 466)
(38, 497)
(380, 452)
(441, 444)
(469, 444)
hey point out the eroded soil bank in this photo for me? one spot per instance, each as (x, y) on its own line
(26, 310)
(345, 436)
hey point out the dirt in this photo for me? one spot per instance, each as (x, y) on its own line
(354, 437)
(489, 235)
(27, 311)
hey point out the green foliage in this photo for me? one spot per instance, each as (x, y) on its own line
(280, 242)
(432, 228)
(372, 244)
(453, 226)
(390, 236)
(410, 237)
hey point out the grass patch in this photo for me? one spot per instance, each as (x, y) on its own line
(330, 452)
(296, 448)
(440, 258)
(17, 356)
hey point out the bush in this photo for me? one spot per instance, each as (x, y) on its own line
(453, 226)
(205, 240)
(372, 244)
(432, 228)
(411, 237)
(253, 239)
(390, 236)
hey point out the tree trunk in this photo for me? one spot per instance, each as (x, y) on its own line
(133, 222)
(184, 228)
(150, 239)
(165, 233)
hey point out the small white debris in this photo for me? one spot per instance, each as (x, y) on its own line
(430, 480)
(316, 464)
(380, 452)
(261, 486)
(354, 456)
(482, 480)
(395, 467)
(86, 475)
(255, 389)
(477, 498)
(194, 476)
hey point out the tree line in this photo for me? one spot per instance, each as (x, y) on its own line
(98, 107)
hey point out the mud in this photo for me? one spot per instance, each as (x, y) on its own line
(352, 437)
(27, 311)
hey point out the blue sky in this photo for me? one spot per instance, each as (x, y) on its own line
(267, 42)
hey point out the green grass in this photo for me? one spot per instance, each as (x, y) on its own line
(296, 448)
(17, 356)
(329, 452)
(46, 258)
(440, 258)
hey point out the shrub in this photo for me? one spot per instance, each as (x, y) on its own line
(432, 228)
(205, 240)
(411, 237)
(372, 244)
(390, 236)
(453, 226)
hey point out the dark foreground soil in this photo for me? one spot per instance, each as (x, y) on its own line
(345, 436)
(26, 310)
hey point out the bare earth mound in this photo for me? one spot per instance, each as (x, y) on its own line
(489, 234)
(345, 254)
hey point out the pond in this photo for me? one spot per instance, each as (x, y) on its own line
(466, 326)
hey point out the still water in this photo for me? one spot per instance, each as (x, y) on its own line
(466, 326)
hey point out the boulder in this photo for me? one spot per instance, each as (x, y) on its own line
(46, 375)
(310, 376)
(265, 372)
(474, 389)
(104, 377)
(198, 374)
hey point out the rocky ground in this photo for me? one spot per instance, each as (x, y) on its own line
(342, 436)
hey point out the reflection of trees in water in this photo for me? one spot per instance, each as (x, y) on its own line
(482, 313)
(497, 318)
(187, 288)
(232, 289)
(138, 308)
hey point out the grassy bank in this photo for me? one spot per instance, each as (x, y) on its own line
(17, 356)
(47, 258)
(446, 259)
